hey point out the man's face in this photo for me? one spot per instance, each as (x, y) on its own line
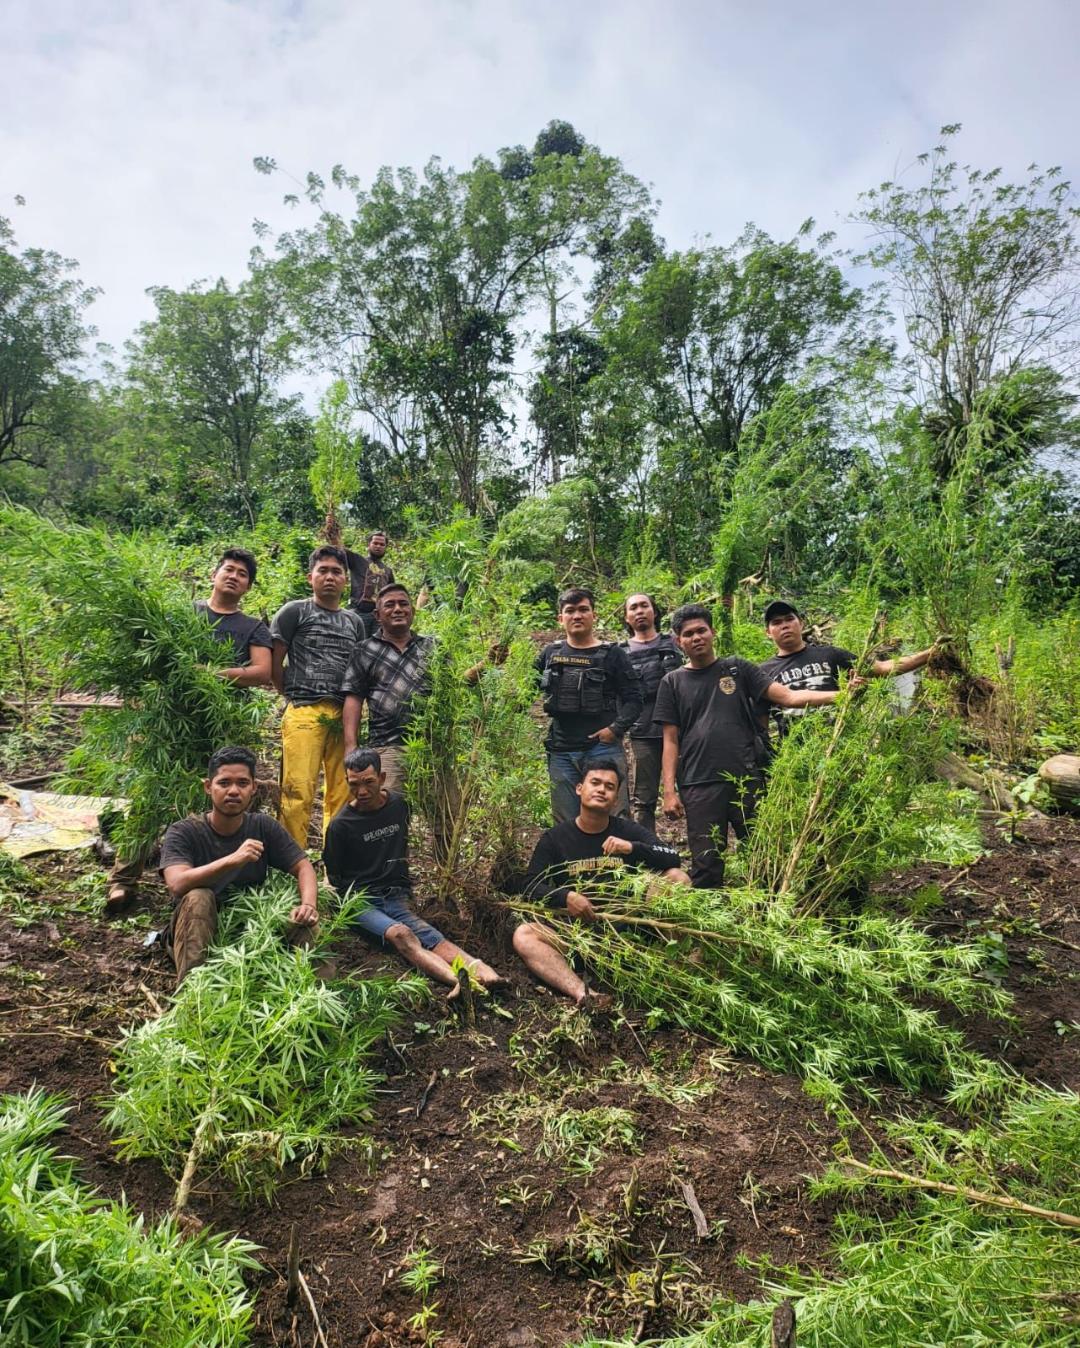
(232, 578)
(578, 620)
(230, 789)
(366, 788)
(328, 579)
(395, 612)
(377, 545)
(640, 614)
(598, 789)
(785, 631)
(696, 639)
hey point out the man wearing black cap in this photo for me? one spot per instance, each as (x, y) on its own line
(802, 667)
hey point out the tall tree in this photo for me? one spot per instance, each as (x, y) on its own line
(985, 275)
(421, 299)
(42, 332)
(211, 361)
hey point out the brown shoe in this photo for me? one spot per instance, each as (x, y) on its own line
(119, 899)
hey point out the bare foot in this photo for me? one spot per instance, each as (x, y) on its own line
(453, 993)
(594, 1001)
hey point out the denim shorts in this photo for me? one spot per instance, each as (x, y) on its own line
(388, 910)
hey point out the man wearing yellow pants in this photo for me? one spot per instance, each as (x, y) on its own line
(313, 640)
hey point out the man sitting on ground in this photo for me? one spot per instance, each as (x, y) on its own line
(594, 844)
(207, 858)
(367, 849)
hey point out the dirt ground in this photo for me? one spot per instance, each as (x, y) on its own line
(531, 1254)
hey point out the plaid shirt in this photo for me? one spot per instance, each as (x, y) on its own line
(387, 680)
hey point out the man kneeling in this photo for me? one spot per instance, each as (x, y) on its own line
(367, 849)
(594, 843)
(207, 858)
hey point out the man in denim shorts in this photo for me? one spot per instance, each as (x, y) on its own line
(367, 850)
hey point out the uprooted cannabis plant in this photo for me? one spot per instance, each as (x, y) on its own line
(842, 1003)
(78, 1269)
(259, 1063)
(131, 631)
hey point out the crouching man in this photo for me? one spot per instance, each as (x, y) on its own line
(367, 849)
(207, 858)
(596, 844)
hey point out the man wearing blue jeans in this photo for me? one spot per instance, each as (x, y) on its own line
(593, 696)
(367, 850)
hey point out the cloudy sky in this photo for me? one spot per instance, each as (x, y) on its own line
(129, 128)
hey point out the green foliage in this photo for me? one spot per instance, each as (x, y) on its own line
(76, 1269)
(939, 824)
(259, 1062)
(838, 1002)
(333, 470)
(131, 630)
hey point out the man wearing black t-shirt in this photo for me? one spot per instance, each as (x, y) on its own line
(712, 767)
(367, 849)
(652, 654)
(233, 576)
(801, 666)
(367, 576)
(593, 697)
(568, 856)
(206, 858)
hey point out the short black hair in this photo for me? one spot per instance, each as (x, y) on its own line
(359, 760)
(224, 758)
(377, 533)
(239, 555)
(389, 589)
(657, 613)
(687, 613)
(326, 552)
(575, 596)
(602, 765)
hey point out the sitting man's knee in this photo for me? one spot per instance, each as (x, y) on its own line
(400, 937)
(527, 937)
(677, 876)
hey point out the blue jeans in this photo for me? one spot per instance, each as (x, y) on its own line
(387, 910)
(565, 770)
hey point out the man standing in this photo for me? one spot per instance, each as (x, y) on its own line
(367, 576)
(367, 850)
(233, 576)
(387, 671)
(592, 846)
(801, 666)
(207, 858)
(652, 654)
(315, 637)
(593, 698)
(711, 744)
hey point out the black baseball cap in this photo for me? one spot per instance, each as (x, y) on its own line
(779, 608)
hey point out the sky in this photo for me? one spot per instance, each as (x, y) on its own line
(130, 128)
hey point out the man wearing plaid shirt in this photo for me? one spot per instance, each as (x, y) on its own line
(387, 671)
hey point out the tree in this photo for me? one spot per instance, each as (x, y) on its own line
(211, 361)
(420, 300)
(333, 470)
(41, 336)
(984, 273)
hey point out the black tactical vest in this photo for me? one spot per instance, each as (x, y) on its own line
(575, 682)
(651, 665)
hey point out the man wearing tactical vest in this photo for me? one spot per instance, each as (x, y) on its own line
(593, 698)
(652, 654)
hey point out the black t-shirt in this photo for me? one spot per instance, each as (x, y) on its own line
(241, 628)
(600, 679)
(651, 661)
(814, 668)
(565, 858)
(367, 576)
(369, 851)
(712, 709)
(319, 642)
(193, 842)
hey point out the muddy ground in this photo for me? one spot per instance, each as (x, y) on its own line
(530, 1253)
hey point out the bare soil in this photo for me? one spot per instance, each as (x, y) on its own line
(512, 1229)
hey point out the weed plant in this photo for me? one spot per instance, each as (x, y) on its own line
(132, 631)
(258, 1063)
(841, 1002)
(78, 1270)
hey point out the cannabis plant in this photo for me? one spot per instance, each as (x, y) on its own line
(77, 1269)
(259, 1063)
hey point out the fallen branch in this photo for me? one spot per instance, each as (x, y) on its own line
(701, 1226)
(183, 1189)
(421, 1104)
(311, 1305)
(962, 1191)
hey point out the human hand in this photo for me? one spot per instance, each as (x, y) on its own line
(857, 683)
(605, 736)
(617, 847)
(251, 849)
(577, 905)
(304, 915)
(673, 807)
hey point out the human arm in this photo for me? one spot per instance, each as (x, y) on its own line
(789, 697)
(641, 847)
(628, 700)
(903, 664)
(181, 876)
(255, 674)
(350, 720)
(282, 631)
(669, 762)
(306, 912)
(546, 880)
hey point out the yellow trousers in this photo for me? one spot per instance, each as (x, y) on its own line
(311, 739)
